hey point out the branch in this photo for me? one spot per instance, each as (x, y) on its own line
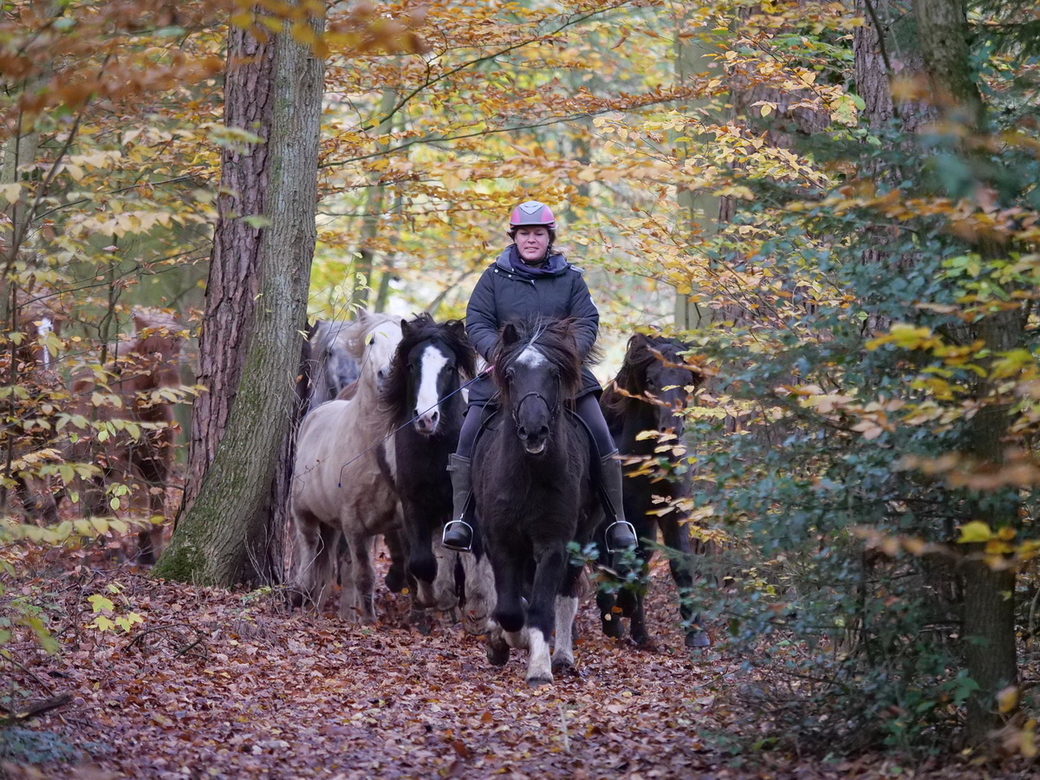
(434, 139)
(470, 63)
(34, 709)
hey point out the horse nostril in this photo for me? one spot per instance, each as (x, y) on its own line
(522, 433)
(543, 432)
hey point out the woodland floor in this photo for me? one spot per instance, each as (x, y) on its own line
(218, 684)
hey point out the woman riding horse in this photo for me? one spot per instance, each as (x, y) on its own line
(530, 280)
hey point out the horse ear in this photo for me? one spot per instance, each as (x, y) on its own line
(457, 328)
(510, 334)
(406, 328)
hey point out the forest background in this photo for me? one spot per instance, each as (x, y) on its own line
(834, 203)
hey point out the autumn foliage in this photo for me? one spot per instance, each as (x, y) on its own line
(843, 225)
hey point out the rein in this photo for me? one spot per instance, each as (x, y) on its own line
(404, 425)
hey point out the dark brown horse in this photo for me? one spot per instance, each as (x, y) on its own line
(131, 399)
(534, 496)
(650, 394)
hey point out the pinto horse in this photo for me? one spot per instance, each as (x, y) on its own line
(534, 495)
(426, 408)
(341, 484)
(650, 393)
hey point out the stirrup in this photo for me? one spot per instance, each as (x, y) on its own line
(457, 547)
(631, 529)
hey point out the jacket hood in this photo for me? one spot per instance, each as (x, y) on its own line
(509, 260)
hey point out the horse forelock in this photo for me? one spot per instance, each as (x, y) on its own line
(554, 341)
(379, 338)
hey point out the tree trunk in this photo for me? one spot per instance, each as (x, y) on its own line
(232, 522)
(364, 266)
(989, 624)
(694, 60)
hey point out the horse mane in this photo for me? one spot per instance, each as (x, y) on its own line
(629, 385)
(422, 327)
(354, 335)
(554, 338)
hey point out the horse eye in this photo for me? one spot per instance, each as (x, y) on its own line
(371, 340)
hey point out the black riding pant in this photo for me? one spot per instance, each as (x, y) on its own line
(586, 407)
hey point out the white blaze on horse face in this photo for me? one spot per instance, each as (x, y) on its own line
(426, 398)
(531, 357)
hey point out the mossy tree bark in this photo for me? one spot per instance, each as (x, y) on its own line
(231, 526)
(988, 633)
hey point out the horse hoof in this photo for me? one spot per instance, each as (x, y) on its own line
(146, 558)
(535, 682)
(613, 628)
(562, 665)
(395, 580)
(698, 639)
(421, 622)
(643, 643)
(498, 656)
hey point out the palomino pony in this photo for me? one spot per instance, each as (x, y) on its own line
(426, 409)
(341, 483)
(534, 495)
(650, 393)
(139, 373)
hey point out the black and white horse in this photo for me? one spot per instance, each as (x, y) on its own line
(426, 408)
(534, 496)
(650, 393)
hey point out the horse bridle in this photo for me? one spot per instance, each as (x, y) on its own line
(554, 410)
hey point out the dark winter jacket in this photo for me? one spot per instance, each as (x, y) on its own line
(511, 291)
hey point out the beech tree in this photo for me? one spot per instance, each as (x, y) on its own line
(255, 314)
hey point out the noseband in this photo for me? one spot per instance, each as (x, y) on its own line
(554, 409)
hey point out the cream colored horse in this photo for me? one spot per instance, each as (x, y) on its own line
(339, 484)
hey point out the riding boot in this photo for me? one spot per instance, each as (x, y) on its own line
(458, 534)
(620, 534)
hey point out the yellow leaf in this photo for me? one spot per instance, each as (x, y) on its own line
(11, 192)
(1007, 699)
(975, 531)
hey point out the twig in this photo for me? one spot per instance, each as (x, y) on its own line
(35, 709)
(139, 638)
(25, 669)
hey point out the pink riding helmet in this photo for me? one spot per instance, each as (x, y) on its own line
(532, 213)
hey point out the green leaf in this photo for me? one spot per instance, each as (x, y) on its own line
(257, 221)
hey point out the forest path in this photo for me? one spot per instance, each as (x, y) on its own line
(219, 684)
